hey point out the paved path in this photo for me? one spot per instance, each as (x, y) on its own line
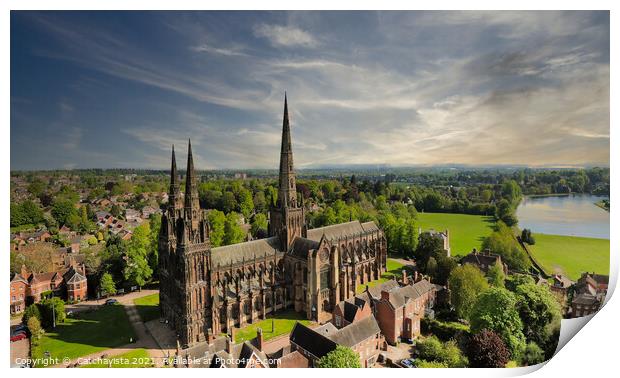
(19, 350)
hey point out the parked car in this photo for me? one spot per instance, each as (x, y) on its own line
(19, 336)
(111, 301)
(408, 363)
(20, 329)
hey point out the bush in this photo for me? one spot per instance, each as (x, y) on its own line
(447, 353)
(30, 312)
(533, 355)
(444, 330)
(430, 364)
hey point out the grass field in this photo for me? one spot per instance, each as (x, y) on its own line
(283, 323)
(571, 255)
(466, 231)
(148, 307)
(138, 358)
(105, 328)
(393, 270)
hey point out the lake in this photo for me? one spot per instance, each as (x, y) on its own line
(571, 215)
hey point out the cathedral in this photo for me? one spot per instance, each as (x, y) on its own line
(205, 291)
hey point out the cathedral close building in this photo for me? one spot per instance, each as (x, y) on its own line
(206, 291)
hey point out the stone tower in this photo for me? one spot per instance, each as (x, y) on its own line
(287, 217)
(184, 251)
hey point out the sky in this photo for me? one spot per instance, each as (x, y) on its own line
(117, 89)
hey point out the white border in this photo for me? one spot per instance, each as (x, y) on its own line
(591, 353)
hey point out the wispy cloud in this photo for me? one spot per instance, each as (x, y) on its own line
(287, 36)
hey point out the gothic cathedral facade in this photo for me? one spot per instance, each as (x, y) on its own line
(206, 291)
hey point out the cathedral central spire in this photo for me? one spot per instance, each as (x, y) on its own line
(287, 192)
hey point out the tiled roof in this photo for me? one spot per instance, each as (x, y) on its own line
(237, 252)
(357, 332)
(294, 360)
(316, 344)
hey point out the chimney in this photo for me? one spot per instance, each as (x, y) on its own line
(385, 295)
(474, 251)
(416, 276)
(24, 272)
(259, 338)
(405, 278)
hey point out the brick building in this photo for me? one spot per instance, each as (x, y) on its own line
(19, 289)
(484, 260)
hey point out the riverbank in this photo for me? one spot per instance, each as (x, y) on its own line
(603, 204)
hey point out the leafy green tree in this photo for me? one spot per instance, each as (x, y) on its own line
(26, 212)
(233, 233)
(539, 310)
(259, 223)
(153, 256)
(31, 311)
(228, 203)
(137, 269)
(246, 204)
(217, 220)
(496, 310)
(487, 350)
(341, 357)
(260, 202)
(496, 275)
(107, 285)
(428, 246)
(515, 280)
(49, 308)
(466, 282)
(532, 355)
(503, 243)
(526, 236)
(64, 212)
(423, 364)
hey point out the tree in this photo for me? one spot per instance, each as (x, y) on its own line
(428, 246)
(526, 236)
(52, 309)
(496, 310)
(496, 275)
(31, 311)
(246, 204)
(502, 242)
(532, 355)
(259, 223)
(341, 357)
(466, 282)
(34, 326)
(217, 219)
(431, 267)
(106, 284)
(153, 256)
(137, 269)
(539, 310)
(63, 211)
(232, 231)
(228, 203)
(487, 350)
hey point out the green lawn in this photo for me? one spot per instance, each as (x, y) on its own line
(148, 307)
(393, 270)
(466, 231)
(571, 255)
(138, 358)
(283, 324)
(105, 328)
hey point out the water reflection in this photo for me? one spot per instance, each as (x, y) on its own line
(573, 215)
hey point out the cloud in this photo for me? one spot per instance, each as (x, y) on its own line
(236, 51)
(287, 36)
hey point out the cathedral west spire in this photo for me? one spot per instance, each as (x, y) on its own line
(191, 191)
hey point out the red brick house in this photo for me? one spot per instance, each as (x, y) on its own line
(19, 288)
(76, 284)
(589, 295)
(400, 309)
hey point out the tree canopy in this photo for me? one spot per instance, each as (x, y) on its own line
(341, 357)
(466, 282)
